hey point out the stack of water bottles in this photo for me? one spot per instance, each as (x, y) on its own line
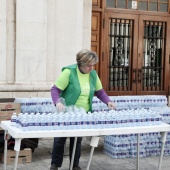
(36, 105)
(167, 145)
(41, 114)
(125, 146)
(132, 102)
(150, 144)
(163, 111)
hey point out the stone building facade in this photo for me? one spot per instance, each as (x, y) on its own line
(38, 38)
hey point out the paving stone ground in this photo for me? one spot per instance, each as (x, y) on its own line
(41, 159)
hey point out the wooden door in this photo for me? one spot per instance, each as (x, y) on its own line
(96, 29)
(95, 36)
(136, 54)
(153, 55)
(119, 65)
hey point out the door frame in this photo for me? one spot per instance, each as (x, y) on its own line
(137, 17)
(105, 60)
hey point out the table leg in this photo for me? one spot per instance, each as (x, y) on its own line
(91, 154)
(5, 148)
(138, 151)
(17, 149)
(163, 139)
(73, 153)
(94, 142)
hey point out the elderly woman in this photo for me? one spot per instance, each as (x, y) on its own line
(81, 79)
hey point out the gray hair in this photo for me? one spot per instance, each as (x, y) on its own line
(85, 57)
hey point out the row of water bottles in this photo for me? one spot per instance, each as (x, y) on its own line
(132, 102)
(45, 105)
(36, 105)
(81, 120)
(164, 112)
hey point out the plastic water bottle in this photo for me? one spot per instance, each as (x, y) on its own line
(95, 118)
(37, 122)
(72, 121)
(67, 121)
(55, 121)
(24, 123)
(49, 119)
(13, 119)
(43, 122)
(84, 121)
(90, 121)
(30, 122)
(78, 120)
(102, 120)
(18, 123)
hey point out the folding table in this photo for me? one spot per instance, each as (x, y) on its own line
(18, 134)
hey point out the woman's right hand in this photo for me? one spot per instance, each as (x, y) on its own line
(60, 107)
(111, 105)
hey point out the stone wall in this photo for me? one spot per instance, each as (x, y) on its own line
(38, 38)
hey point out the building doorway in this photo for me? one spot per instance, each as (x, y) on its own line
(134, 57)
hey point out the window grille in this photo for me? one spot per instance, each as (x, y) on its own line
(121, 32)
(153, 55)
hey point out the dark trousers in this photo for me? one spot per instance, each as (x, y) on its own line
(58, 151)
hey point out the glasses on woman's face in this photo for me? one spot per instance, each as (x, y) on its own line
(87, 68)
(88, 65)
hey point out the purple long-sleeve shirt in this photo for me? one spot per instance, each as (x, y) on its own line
(101, 94)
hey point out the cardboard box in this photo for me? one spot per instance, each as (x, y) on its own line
(25, 156)
(7, 109)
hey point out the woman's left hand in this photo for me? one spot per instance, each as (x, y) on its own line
(111, 105)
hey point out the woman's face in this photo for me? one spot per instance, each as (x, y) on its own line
(87, 68)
